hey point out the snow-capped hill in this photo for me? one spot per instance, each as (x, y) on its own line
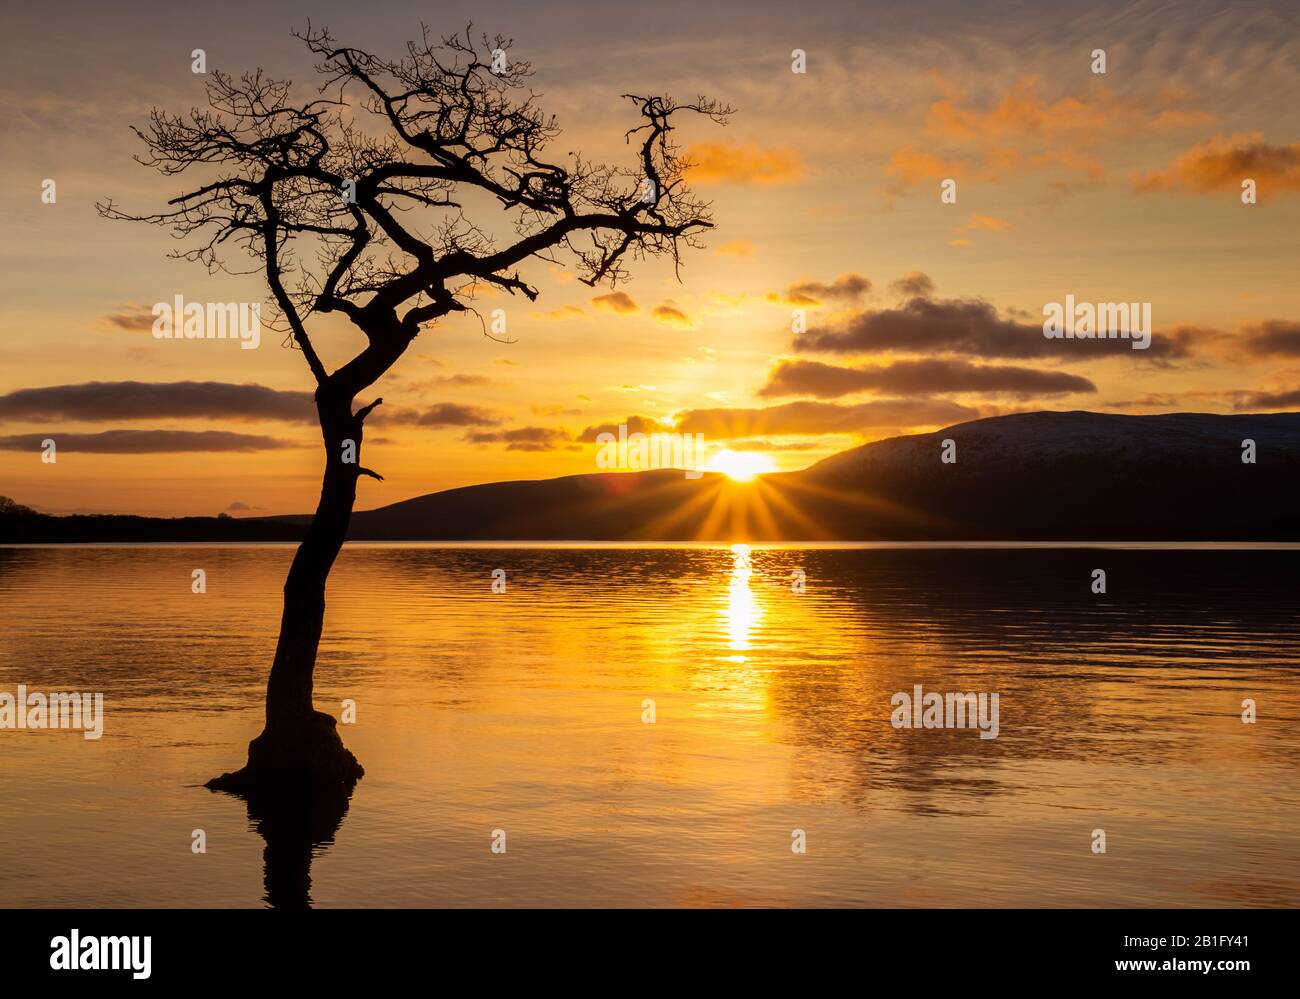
(1045, 440)
(1076, 475)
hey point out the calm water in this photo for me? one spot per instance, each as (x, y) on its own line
(523, 711)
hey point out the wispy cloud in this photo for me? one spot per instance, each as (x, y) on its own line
(822, 417)
(148, 442)
(562, 313)
(741, 248)
(525, 438)
(131, 316)
(732, 163)
(848, 287)
(635, 425)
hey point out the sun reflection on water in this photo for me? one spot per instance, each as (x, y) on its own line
(743, 611)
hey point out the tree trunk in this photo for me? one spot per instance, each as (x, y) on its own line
(300, 749)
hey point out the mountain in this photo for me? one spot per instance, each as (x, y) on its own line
(1028, 476)
(1080, 476)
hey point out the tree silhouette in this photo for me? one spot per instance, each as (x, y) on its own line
(355, 202)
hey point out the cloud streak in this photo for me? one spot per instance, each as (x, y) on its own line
(105, 401)
(972, 327)
(148, 442)
(525, 438)
(1273, 401)
(919, 377)
(822, 418)
(442, 414)
(635, 425)
(1272, 338)
(846, 288)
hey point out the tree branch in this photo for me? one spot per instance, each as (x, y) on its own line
(369, 222)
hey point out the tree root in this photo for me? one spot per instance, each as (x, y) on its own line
(299, 758)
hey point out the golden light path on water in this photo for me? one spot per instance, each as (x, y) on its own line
(743, 610)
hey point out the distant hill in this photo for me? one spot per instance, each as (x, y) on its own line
(1029, 476)
(1077, 475)
(41, 528)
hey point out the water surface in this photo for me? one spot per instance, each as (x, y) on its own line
(523, 711)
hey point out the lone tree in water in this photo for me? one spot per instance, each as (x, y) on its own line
(353, 202)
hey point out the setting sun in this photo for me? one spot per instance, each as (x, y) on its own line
(740, 466)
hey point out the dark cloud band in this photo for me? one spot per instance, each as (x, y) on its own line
(923, 377)
(147, 442)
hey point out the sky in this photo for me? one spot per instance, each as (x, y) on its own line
(826, 189)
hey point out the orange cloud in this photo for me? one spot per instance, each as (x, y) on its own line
(912, 166)
(988, 222)
(731, 163)
(977, 223)
(1222, 163)
(736, 248)
(670, 315)
(616, 301)
(983, 223)
(1022, 130)
(564, 312)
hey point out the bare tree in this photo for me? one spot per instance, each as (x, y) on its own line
(356, 202)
